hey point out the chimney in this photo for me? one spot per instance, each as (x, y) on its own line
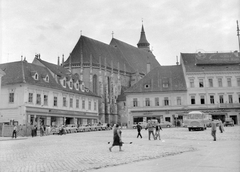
(58, 61)
(62, 59)
(177, 63)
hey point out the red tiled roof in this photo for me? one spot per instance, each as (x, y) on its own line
(194, 62)
(171, 75)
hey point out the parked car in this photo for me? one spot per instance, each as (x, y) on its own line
(106, 126)
(229, 122)
(71, 128)
(165, 124)
(97, 127)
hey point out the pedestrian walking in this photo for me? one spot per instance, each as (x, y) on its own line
(14, 133)
(214, 127)
(117, 139)
(41, 130)
(150, 128)
(33, 131)
(157, 133)
(139, 128)
(221, 128)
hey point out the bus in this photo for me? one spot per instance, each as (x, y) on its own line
(197, 120)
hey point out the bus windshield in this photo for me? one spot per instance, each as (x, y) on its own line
(195, 116)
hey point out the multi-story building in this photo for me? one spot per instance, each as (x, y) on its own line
(213, 83)
(34, 94)
(160, 95)
(208, 82)
(107, 69)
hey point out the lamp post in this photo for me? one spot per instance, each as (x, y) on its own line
(238, 36)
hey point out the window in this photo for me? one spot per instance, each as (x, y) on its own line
(71, 84)
(54, 101)
(156, 101)
(147, 102)
(193, 100)
(71, 102)
(212, 99)
(201, 83)
(147, 86)
(95, 84)
(30, 97)
(230, 98)
(89, 105)
(64, 101)
(239, 98)
(221, 100)
(64, 83)
(238, 82)
(135, 102)
(77, 103)
(220, 82)
(45, 98)
(166, 101)
(229, 82)
(83, 104)
(38, 102)
(95, 105)
(36, 76)
(168, 119)
(77, 86)
(210, 81)
(165, 85)
(11, 97)
(47, 78)
(179, 101)
(202, 99)
(192, 83)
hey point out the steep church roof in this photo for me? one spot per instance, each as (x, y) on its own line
(100, 53)
(161, 79)
(129, 58)
(136, 58)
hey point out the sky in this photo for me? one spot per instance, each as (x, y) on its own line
(53, 27)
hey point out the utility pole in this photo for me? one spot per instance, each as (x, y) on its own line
(238, 36)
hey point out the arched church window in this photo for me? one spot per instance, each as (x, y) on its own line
(95, 90)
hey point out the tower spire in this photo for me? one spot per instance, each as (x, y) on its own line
(143, 43)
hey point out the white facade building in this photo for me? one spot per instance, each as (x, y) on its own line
(213, 83)
(33, 94)
(208, 82)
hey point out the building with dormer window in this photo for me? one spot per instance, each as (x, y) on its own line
(159, 95)
(35, 93)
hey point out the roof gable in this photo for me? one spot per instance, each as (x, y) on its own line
(158, 78)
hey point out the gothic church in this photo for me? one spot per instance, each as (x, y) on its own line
(107, 70)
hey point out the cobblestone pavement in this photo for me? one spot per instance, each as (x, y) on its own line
(87, 151)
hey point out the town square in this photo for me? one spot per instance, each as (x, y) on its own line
(119, 86)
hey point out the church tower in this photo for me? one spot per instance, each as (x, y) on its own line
(143, 43)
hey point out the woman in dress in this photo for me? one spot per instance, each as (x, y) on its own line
(117, 140)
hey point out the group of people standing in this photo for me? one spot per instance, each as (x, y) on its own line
(44, 130)
(151, 127)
